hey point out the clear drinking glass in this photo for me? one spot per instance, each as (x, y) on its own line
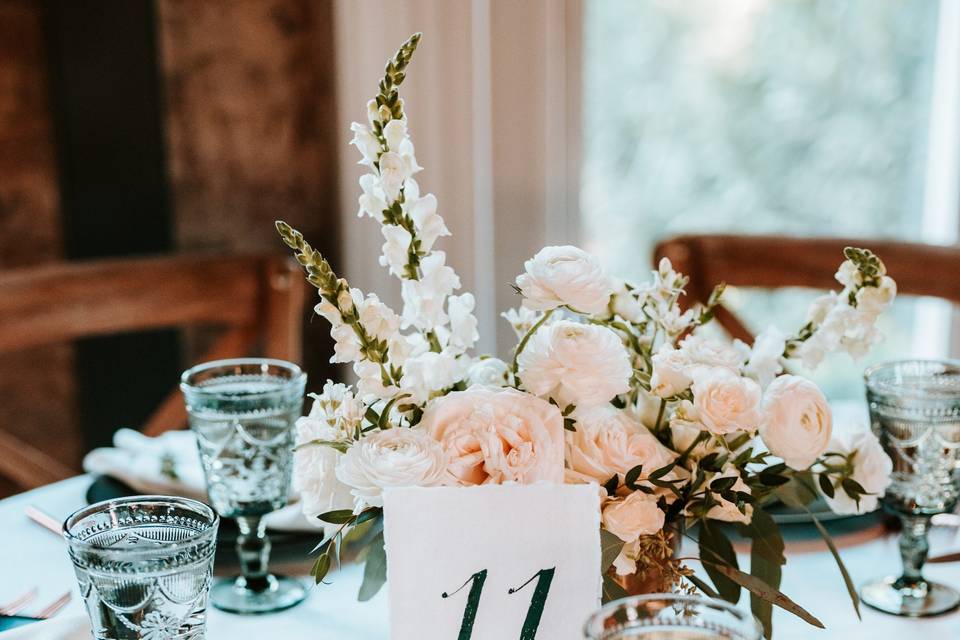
(915, 412)
(671, 616)
(144, 566)
(243, 412)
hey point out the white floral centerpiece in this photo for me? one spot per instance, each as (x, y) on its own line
(610, 383)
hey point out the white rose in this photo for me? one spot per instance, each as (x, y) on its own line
(669, 372)
(491, 372)
(575, 363)
(724, 401)
(492, 436)
(766, 356)
(398, 457)
(701, 351)
(566, 275)
(608, 442)
(634, 516)
(796, 424)
(872, 468)
(727, 511)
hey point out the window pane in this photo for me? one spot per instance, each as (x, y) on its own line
(757, 116)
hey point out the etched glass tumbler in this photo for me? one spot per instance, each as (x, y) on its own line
(144, 566)
(915, 412)
(671, 616)
(243, 413)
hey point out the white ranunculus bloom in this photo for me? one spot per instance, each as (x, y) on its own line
(430, 373)
(575, 363)
(398, 457)
(727, 511)
(670, 372)
(609, 441)
(699, 350)
(766, 357)
(395, 132)
(395, 250)
(423, 299)
(366, 143)
(872, 468)
(634, 516)
(724, 401)
(372, 201)
(796, 424)
(565, 275)
(463, 324)
(521, 319)
(489, 372)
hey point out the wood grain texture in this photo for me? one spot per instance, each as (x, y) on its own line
(778, 261)
(37, 393)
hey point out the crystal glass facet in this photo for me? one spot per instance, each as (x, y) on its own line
(144, 566)
(243, 413)
(915, 412)
(671, 616)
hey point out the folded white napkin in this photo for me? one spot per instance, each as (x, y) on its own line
(170, 465)
(63, 627)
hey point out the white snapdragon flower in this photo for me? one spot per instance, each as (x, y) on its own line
(366, 143)
(765, 360)
(626, 303)
(346, 346)
(378, 319)
(423, 212)
(372, 201)
(423, 299)
(396, 249)
(848, 275)
(575, 363)
(463, 324)
(489, 372)
(797, 422)
(566, 275)
(394, 170)
(370, 383)
(399, 457)
(395, 132)
(872, 469)
(521, 319)
(336, 407)
(875, 300)
(430, 373)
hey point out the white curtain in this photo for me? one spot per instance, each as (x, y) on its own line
(493, 101)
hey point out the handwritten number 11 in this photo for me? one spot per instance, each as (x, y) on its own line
(534, 611)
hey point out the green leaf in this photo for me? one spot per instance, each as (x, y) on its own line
(611, 590)
(847, 580)
(384, 421)
(772, 480)
(768, 593)
(716, 547)
(853, 488)
(340, 516)
(723, 484)
(320, 568)
(766, 560)
(339, 445)
(825, 485)
(374, 571)
(372, 416)
(705, 588)
(662, 471)
(610, 548)
(612, 484)
(368, 514)
(630, 478)
(569, 424)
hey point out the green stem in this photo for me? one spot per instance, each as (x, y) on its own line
(663, 408)
(526, 338)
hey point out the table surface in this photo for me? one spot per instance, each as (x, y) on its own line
(33, 557)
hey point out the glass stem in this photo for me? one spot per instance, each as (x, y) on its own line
(913, 552)
(253, 548)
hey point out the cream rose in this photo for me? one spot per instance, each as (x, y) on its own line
(566, 275)
(634, 516)
(398, 457)
(491, 436)
(725, 402)
(492, 372)
(796, 424)
(607, 442)
(575, 363)
(669, 372)
(872, 468)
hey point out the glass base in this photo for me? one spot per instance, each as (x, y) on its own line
(929, 599)
(233, 595)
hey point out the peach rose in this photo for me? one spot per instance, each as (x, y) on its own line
(726, 402)
(634, 516)
(609, 441)
(797, 423)
(491, 436)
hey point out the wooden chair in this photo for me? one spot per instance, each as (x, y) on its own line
(771, 262)
(258, 299)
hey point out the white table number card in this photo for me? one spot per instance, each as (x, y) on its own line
(494, 562)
